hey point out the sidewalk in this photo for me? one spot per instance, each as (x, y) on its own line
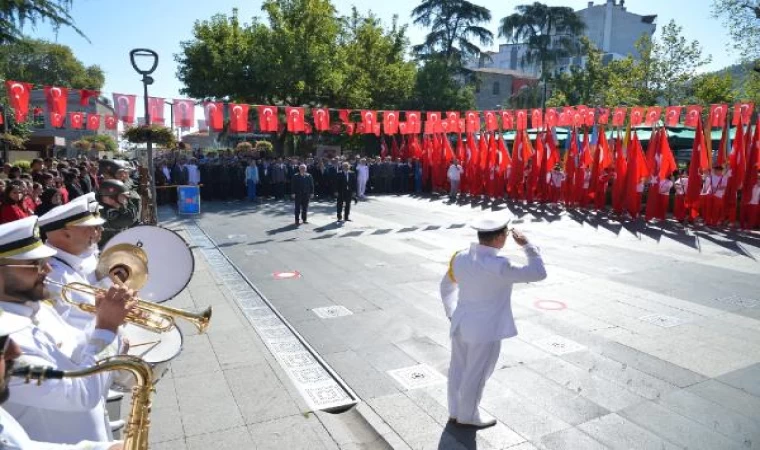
(226, 391)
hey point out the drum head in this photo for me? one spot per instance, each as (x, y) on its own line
(154, 348)
(170, 260)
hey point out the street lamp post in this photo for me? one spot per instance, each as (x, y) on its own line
(151, 58)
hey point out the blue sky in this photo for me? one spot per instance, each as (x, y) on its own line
(115, 27)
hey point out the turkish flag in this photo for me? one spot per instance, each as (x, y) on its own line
(57, 99)
(693, 115)
(214, 112)
(369, 119)
(402, 128)
(184, 112)
(453, 119)
(551, 118)
(522, 119)
(76, 119)
(111, 122)
(124, 107)
(672, 115)
(238, 118)
(742, 113)
(472, 121)
(413, 122)
(93, 122)
(491, 123)
(343, 115)
(653, 115)
(433, 122)
(590, 117)
(268, 120)
(295, 117)
(390, 122)
(618, 116)
(156, 109)
(56, 120)
(604, 116)
(445, 126)
(321, 119)
(667, 160)
(718, 115)
(18, 96)
(85, 95)
(637, 116)
(581, 110)
(569, 116)
(536, 118)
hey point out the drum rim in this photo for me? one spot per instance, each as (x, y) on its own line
(181, 347)
(192, 258)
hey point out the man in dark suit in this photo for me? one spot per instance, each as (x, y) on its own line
(346, 183)
(302, 190)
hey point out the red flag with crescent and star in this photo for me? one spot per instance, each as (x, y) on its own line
(268, 120)
(85, 95)
(390, 122)
(184, 112)
(214, 112)
(321, 119)
(693, 115)
(672, 115)
(413, 122)
(18, 96)
(238, 117)
(742, 113)
(369, 119)
(93, 122)
(472, 121)
(295, 117)
(76, 119)
(111, 122)
(124, 107)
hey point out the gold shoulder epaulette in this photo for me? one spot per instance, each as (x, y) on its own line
(450, 272)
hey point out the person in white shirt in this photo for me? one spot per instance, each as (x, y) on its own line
(251, 179)
(362, 176)
(682, 186)
(67, 410)
(556, 179)
(751, 210)
(454, 175)
(713, 191)
(193, 174)
(476, 292)
(12, 435)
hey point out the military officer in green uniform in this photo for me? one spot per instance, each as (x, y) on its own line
(120, 210)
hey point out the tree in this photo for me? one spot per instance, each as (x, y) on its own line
(47, 63)
(712, 88)
(437, 90)
(376, 73)
(108, 143)
(742, 18)
(548, 32)
(677, 62)
(582, 85)
(454, 26)
(17, 13)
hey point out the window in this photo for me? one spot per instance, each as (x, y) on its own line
(496, 88)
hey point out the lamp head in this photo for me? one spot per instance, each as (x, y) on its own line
(149, 58)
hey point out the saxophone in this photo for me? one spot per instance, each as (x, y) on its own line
(138, 423)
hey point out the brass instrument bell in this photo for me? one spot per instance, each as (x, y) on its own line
(126, 262)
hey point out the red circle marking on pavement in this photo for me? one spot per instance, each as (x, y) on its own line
(550, 305)
(286, 275)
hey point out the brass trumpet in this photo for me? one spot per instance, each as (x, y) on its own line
(148, 315)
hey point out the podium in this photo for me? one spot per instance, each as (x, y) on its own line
(189, 199)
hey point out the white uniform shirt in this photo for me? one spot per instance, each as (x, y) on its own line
(715, 185)
(665, 186)
(13, 437)
(755, 198)
(68, 410)
(68, 268)
(455, 173)
(682, 185)
(479, 301)
(557, 178)
(362, 172)
(193, 175)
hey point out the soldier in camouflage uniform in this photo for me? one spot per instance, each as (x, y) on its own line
(120, 210)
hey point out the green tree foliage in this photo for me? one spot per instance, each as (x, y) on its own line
(550, 33)
(376, 74)
(742, 18)
(108, 143)
(15, 14)
(582, 86)
(711, 88)
(455, 27)
(437, 90)
(677, 62)
(47, 63)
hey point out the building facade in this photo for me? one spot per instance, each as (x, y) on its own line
(496, 86)
(609, 26)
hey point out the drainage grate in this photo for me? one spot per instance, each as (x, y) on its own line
(558, 345)
(662, 320)
(738, 301)
(416, 377)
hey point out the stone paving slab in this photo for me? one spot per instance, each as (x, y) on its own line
(622, 379)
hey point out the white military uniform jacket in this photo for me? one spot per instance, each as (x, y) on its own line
(68, 410)
(68, 268)
(477, 291)
(13, 437)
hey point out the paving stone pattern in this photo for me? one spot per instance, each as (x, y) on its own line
(656, 348)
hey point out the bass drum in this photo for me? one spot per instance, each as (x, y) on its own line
(170, 261)
(157, 349)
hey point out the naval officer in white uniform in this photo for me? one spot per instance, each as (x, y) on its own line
(476, 293)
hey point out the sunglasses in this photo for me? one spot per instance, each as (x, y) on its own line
(37, 264)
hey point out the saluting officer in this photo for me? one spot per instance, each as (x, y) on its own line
(476, 293)
(119, 211)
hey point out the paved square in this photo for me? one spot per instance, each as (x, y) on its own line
(417, 377)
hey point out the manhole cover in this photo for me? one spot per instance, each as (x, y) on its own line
(558, 345)
(256, 252)
(415, 377)
(329, 312)
(286, 275)
(661, 320)
(738, 301)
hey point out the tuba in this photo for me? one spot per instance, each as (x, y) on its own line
(148, 315)
(138, 423)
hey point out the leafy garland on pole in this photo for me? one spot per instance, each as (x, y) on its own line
(158, 135)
